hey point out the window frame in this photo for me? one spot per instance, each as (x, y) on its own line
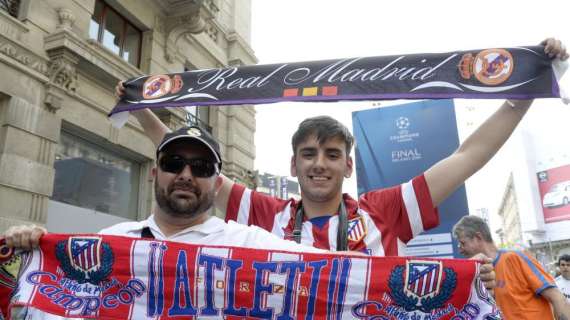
(90, 140)
(102, 19)
(11, 7)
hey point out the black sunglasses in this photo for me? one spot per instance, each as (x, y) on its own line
(200, 168)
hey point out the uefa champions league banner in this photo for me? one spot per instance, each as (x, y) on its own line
(110, 277)
(518, 73)
(395, 144)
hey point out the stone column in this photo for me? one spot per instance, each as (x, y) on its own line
(28, 140)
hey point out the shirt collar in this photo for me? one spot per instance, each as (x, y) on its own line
(496, 260)
(349, 202)
(210, 226)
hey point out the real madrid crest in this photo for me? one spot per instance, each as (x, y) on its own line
(490, 67)
(160, 85)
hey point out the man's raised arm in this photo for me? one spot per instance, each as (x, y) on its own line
(448, 174)
(156, 129)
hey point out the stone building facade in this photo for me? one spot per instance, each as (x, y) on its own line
(62, 164)
(511, 233)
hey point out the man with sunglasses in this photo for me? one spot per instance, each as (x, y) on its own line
(186, 180)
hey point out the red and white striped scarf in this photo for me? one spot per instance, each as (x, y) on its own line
(110, 277)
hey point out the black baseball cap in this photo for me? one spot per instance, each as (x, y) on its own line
(195, 133)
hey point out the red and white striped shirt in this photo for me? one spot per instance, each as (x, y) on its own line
(381, 222)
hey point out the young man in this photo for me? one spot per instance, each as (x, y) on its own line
(523, 289)
(563, 280)
(387, 218)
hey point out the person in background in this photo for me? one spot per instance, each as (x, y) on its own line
(524, 290)
(563, 280)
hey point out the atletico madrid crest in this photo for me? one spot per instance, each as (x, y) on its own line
(85, 253)
(356, 229)
(85, 259)
(422, 285)
(423, 278)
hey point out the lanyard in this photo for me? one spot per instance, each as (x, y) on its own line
(146, 233)
(342, 234)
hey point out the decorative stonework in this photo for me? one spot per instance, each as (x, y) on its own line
(12, 28)
(113, 134)
(66, 18)
(46, 152)
(195, 20)
(63, 74)
(38, 208)
(178, 26)
(192, 23)
(212, 6)
(212, 31)
(235, 63)
(159, 24)
(62, 69)
(21, 55)
(53, 99)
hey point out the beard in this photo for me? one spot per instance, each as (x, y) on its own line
(187, 207)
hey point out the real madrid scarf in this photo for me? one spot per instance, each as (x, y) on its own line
(110, 277)
(517, 73)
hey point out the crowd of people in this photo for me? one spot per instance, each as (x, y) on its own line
(188, 181)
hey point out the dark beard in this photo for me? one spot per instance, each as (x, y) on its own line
(187, 207)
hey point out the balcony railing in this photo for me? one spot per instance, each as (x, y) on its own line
(10, 6)
(192, 120)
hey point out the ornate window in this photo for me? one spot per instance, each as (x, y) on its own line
(116, 33)
(10, 6)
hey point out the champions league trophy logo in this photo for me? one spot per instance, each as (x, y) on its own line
(402, 123)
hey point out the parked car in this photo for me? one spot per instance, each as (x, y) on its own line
(558, 195)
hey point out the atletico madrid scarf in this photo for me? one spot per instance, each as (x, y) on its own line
(517, 73)
(110, 277)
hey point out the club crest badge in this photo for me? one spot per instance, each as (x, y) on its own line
(490, 67)
(9, 266)
(356, 229)
(422, 285)
(85, 259)
(160, 85)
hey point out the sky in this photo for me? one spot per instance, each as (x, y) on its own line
(304, 30)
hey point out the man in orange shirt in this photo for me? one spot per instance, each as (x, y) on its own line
(523, 289)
